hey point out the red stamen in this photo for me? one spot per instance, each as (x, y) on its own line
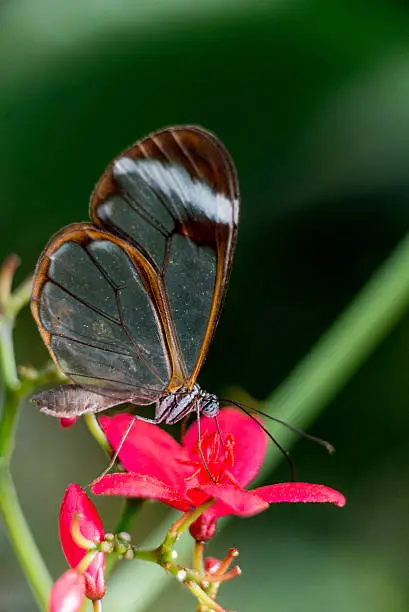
(219, 457)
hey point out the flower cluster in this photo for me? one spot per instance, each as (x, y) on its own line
(205, 477)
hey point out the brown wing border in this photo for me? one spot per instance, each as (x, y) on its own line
(83, 234)
(203, 155)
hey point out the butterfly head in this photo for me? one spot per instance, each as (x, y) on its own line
(209, 404)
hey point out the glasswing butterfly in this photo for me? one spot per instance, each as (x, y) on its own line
(127, 305)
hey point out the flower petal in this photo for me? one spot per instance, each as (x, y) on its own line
(77, 505)
(300, 492)
(67, 593)
(147, 449)
(140, 485)
(250, 441)
(232, 500)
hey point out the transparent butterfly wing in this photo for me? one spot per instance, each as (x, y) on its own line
(127, 306)
(97, 318)
(175, 195)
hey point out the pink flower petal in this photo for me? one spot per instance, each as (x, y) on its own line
(300, 492)
(67, 593)
(76, 504)
(232, 500)
(147, 449)
(140, 485)
(250, 441)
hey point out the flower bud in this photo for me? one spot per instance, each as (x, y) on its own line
(95, 580)
(204, 528)
(212, 565)
(66, 422)
(80, 525)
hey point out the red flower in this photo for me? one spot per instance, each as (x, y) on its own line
(158, 467)
(68, 592)
(80, 530)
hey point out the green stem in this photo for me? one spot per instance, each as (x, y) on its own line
(198, 557)
(13, 390)
(203, 597)
(19, 298)
(11, 385)
(7, 359)
(331, 363)
(153, 556)
(343, 348)
(7, 270)
(97, 433)
(130, 508)
(22, 541)
(182, 524)
(8, 424)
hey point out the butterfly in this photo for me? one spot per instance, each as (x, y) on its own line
(128, 303)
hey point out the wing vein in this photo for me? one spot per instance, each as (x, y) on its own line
(133, 342)
(137, 207)
(122, 324)
(121, 383)
(90, 345)
(84, 302)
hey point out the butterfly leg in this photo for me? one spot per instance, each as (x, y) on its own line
(155, 421)
(199, 443)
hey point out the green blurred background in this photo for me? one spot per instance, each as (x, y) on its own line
(312, 100)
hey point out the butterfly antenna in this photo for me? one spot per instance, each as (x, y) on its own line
(118, 450)
(199, 445)
(327, 445)
(282, 450)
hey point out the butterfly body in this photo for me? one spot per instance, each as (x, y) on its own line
(127, 305)
(174, 407)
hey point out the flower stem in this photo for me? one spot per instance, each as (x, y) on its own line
(13, 391)
(198, 553)
(7, 270)
(22, 540)
(7, 359)
(187, 519)
(130, 508)
(8, 424)
(153, 556)
(97, 433)
(227, 561)
(343, 348)
(203, 597)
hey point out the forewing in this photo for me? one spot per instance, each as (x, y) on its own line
(95, 301)
(175, 196)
